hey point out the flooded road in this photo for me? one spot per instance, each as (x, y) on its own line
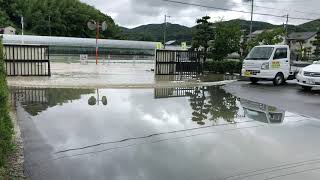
(163, 133)
(110, 75)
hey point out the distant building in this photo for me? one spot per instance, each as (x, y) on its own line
(174, 45)
(8, 30)
(301, 41)
(257, 33)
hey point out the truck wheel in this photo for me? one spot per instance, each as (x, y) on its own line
(279, 79)
(254, 80)
(306, 88)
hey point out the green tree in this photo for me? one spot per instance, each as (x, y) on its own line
(203, 34)
(316, 43)
(267, 37)
(62, 17)
(226, 40)
(6, 127)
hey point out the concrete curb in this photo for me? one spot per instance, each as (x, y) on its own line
(121, 86)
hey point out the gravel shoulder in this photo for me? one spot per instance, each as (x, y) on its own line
(15, 169)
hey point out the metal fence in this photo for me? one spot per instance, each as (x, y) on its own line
(173, 92)
(177, 62)
(27, 60)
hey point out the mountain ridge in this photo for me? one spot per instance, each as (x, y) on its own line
(180, 33)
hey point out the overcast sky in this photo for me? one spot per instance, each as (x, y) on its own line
(132, 13)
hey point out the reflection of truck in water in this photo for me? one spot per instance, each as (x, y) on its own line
(261, 112)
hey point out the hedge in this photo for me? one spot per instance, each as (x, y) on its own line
(6, 127)
(222, 67)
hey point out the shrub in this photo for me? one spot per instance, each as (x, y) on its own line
(6, 127)
(222, 67)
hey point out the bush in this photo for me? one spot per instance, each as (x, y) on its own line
(6, 127)
(222, 67)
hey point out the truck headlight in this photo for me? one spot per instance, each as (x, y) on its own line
(265, 66)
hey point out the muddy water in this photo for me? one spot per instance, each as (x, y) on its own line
(165, 133)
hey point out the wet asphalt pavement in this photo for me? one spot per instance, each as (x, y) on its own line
(165, 133)
(289, 96)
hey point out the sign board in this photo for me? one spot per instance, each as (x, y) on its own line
(184, 46)
(159, 45)
(84, 59)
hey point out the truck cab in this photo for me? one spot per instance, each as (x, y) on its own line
(268, 62)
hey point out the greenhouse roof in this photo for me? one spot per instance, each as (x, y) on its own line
(76, 42)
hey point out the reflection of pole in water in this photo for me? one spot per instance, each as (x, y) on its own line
(96, 101)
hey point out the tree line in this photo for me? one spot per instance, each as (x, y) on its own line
(55, 17)
(218, 40)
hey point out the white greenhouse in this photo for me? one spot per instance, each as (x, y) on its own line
(70, 46)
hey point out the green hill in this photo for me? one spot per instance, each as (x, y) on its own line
(154, 32)
(61, 17)
(311, 26)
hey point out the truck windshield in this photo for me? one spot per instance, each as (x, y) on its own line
(260, 53)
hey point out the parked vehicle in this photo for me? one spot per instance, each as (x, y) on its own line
(309, 76)
(270, 62)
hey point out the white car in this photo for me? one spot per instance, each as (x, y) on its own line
(309, 76)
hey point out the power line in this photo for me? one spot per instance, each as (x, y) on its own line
(240, 11)
(265, 7)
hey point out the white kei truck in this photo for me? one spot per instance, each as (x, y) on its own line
(270, 62)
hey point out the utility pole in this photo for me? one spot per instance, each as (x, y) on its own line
(287, 21)
(22, 29)
(49, 24)
(165, 30)
(252, 4)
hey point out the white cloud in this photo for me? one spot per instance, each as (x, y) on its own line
(131, 13)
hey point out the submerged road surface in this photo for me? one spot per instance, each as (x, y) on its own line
(290, 96)
(163, 134)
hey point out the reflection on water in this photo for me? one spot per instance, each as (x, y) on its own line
(261, 112)
(207, 104)
(196, 77)
(157, 132)
(36, 100)
(95, 100)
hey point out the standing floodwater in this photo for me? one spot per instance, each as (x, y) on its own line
(163, 133)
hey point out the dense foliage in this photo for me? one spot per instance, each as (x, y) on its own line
(204, 33)
(316, 43)
(55, 17)
(226, 40)
(267, 37)
(222, 67)
(6, 128)
(216, 39)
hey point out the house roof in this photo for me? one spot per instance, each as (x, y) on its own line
(301, 35)
(171, 42)
(257, 32)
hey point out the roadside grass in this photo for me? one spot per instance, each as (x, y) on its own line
(6, 126)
